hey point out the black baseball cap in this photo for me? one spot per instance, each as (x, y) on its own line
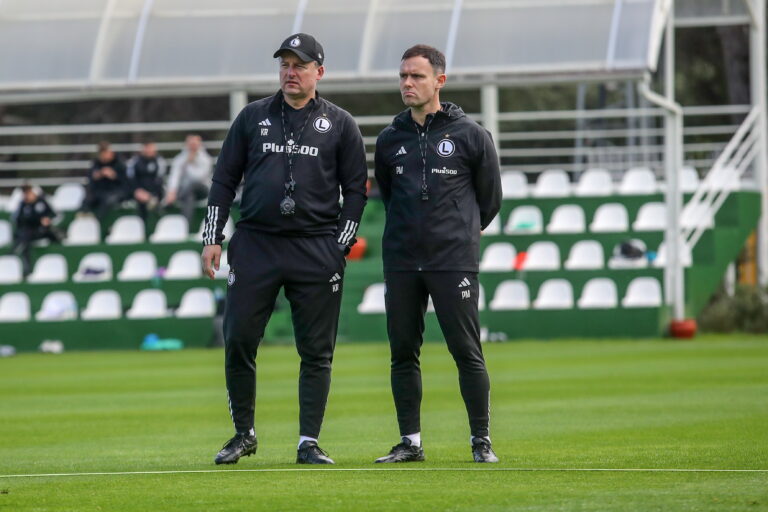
(304, 46)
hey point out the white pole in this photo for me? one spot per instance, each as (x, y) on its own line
(237, 102)
(757, 41)
(489, 106)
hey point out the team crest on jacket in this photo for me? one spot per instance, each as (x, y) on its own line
(446, 147)
(322, 124)
(231, 277)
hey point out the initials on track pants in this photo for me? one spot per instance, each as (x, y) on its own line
(455, 296)
(311, 271)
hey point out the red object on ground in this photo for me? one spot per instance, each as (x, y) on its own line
(520, 260)
(685, 329)
(358, 250)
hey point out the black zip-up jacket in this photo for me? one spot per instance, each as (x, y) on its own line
(329, 156)
(29, 215)
(463, 191)
(106, 185)
(147, 173)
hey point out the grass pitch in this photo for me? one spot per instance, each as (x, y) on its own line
(556, 407)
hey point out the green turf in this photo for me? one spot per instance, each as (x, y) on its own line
(555, 405)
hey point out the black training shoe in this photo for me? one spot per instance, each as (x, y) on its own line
(242, 445)
(404, 452)
(482, 451)
(310, 453)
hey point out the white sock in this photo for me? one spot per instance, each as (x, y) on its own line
(487, 438)
(414, 438)
(305, 438)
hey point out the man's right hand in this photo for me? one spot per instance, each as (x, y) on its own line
(210, 258)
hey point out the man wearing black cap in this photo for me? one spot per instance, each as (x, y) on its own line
(294, 151)
(439, 178)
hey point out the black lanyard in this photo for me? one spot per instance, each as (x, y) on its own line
(290, 144)
(423, 147)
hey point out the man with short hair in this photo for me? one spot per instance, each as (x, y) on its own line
(107, 185)
(438, 173)
(190, 176)
(295, 151)
(33, 221)
(145, 173)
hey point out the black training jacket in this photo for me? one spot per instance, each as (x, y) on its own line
(29, 215)
(463, 191)
(330, 156)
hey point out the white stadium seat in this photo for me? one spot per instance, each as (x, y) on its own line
(14, 307)
(138, 266)
(567, 218)
(128, 229)
(554, 294)
(542, 255)
(103, 305)
(494, 228)
(585, 255)
(94, 267)
(148, 304)
(512, 294)
(524, 220)
(11, 271)
(184, 265)
(196, 303)
(373, 299)
(638, 181)
(689, 180)
(6, 233)
(514, 184)
(618, 261)
(643, 292)
(57, 306)
(17, 196)
(83, 231)
(610, 218)
(170, 229)
(594, 182)
(49, 268)
(68, 197)
(552, 183)
(498, 257)
(661, 255)
(599, 293)
(651, 217)
(695, 214)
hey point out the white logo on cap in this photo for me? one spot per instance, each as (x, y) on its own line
(295, 42)
(319, 55)
(445, 147)
(322, 124)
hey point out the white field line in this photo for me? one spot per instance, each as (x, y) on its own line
(296, 470)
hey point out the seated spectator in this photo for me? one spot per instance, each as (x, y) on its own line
(33, 221)
(190, 176)
(106, 182)
(145, 173)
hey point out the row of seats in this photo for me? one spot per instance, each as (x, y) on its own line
(593, 182)
(608, 218)
(584, 255)
(106, 305)
(598, 293)
(97, 267)
(129, 229)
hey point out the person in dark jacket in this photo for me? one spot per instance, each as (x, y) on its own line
(33, 221)
(438, 173)
(107, 185)
(295, 152)
(145, 173)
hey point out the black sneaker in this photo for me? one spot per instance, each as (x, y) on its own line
(242, 445)
(403, 452)
(482, 451)
(310, 453)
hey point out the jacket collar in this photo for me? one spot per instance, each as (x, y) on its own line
(277, 98)
(448, 113)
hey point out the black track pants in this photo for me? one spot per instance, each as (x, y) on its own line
(455, 296)
(311, 271)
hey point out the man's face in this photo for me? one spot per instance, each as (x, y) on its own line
(418, 81)
(149, 150)
(298, 79)
(30, 196)
(106, 156)
(193, 143)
